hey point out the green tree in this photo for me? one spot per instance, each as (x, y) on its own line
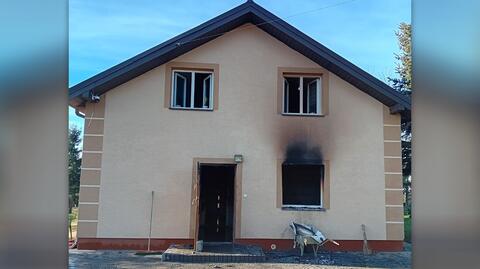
(403, 84)
(74, 162)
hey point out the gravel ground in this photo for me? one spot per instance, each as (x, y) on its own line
(80, 259)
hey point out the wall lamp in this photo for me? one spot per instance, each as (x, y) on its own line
(238, 158)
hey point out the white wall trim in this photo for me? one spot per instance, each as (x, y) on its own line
(87, 220)
(394, 222)
(392, 125)
(387, 189)
(90, 186)
(392, 141)
(393, 173)
(88, 203)
(93, 135)
(392, 157)
(91, 168)
(93, 151)
(393, 205)
(93, 118)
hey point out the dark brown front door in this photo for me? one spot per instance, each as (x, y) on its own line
(216, 205)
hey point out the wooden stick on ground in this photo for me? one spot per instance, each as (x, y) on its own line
(366, 250)
(150, 228)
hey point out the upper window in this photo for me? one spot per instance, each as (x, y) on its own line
(192, 89)
(302, 95)
(302, 185)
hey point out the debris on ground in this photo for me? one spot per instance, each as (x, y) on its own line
(276, 259)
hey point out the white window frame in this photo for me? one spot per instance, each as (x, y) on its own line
(192, 91)
(319, 96)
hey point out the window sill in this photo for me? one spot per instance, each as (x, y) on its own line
(302, 208)
(192, 109)
(302, 115)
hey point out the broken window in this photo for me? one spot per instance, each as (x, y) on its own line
(302, 95)
(192, 89)
(302, 184)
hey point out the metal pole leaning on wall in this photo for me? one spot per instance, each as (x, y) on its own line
(151, 217)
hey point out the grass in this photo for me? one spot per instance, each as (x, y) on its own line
(408, 228)
(73, 218)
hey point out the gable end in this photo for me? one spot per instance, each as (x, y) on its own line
(248, 12)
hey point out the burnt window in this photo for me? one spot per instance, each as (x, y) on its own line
(302, 184)
(302, 95)
(192, 89)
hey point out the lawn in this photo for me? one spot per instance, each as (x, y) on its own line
(73, 218)
(407, 219)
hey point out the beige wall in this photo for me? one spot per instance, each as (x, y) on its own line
(91, 169)
(393, 176)
(149, 147)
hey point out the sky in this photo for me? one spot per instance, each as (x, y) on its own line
(103, 33)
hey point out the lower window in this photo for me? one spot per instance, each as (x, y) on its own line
(302, 185)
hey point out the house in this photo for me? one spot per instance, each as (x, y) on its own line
(231, 131)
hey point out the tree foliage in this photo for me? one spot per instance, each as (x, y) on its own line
(74, 162)
(403, 84)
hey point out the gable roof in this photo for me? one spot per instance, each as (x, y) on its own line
(248, 12)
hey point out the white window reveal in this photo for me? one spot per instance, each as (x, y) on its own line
(302, 95)
(192, 89)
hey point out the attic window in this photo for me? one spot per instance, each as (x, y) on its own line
(302, 185)
(302, 95)
(192, 89)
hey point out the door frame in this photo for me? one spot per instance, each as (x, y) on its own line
(195, 197)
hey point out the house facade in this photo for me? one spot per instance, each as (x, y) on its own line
(231, 131)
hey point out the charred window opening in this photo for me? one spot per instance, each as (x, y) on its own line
(302, 95)
(302, 184)
(192, 89)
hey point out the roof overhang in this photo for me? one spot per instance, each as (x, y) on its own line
(248, 12)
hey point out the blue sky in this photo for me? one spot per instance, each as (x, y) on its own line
(103, 33)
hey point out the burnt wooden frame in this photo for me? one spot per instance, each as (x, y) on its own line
(325, 186)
